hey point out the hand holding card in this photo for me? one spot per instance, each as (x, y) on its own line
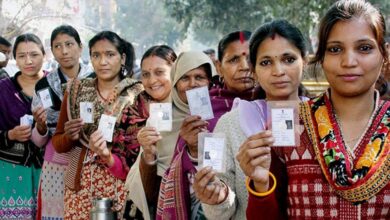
(160, 116)
(27, 120)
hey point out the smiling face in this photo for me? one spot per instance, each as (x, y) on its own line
(234, 67)
(352, 61)
(279, 67)
(155, 77)
(106, 60)
(29, 58)
(66, 51)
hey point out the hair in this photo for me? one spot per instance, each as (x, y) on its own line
(163, 51)
(120, 44)
(5, 42)
(229, 38)
(209, 51)
(65, 29)
(24, 38)
(278, 27)
(346, 10)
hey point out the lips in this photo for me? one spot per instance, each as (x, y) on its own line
(280, 84)
(30, 68)
(153, 88)
(349, 77)
(244, 79)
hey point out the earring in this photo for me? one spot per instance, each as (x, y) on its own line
(123, 70)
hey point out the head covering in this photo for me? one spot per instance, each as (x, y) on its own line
(185, 62)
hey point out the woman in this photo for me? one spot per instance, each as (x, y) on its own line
(340, 170)
(66, 47)
(278, 52)
(191, 70)
(98, 168)
(21, 160)
(156, 64)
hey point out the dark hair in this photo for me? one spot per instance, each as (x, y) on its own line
(5, 42)
(346, 10)
(120, 44)
(28, 38)
(278, 27)
(229, 38)
(65, 29)
(163, 51)
(209, 51)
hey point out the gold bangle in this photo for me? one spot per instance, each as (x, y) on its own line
(253, 192)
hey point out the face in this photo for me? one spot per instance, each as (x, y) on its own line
(7, 52)
(106, 60)
(66, 51)
(155, 77)
(29, 58)
(234, 67)
(192, 79)
(279, 67)
(352, 61)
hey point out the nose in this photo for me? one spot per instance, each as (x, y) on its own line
(244, 64)
(348, 59)
(64, 50)
(103, 60)
(193, 82)
(28, 59)
(277, 69)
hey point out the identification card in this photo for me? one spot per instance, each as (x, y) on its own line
(199, 102)
(283, 122)
(27, 120)
(45, 96)
(160, 116)
(86, 112)
(212, 151)
(106, 126)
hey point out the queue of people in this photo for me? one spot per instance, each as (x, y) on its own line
(74, 135)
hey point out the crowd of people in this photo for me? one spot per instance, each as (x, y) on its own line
(76, 134)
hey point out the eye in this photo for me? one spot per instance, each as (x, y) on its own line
(69, 44)
(365, 48)
(265, 63)
(334, 49)
(160, 72)
(234, 60)
(184, 78)
(145, 74)
(57, 46)
(199, 77)
(95, 55)
(289, 59)
(111, 54)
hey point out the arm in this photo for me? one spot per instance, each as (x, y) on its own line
(38, 139)
(274, 206)
(61, 142)
(150, 180)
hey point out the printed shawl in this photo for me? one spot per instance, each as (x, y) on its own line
(359, 179)
(174, 199)
(123, 95)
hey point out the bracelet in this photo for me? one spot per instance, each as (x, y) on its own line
(247, 183)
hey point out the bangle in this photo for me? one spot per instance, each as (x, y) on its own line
(247, 183)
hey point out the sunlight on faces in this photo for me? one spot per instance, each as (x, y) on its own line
(106, 60)
(234, 67)
(66, 51)
(192, 79)
(352, 62)
(29, 58)
(279, 68)
(155, 77)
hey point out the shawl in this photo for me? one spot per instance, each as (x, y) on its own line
(354, 179)
(84, 90)
(13, 105)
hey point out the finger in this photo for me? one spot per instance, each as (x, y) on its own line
(260, 135)
(190, 119)
(214, 195)
(202, 173)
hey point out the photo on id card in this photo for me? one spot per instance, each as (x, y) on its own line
(282, 120)
(86, 112)
(199, 102)
(106, 126)
(212, 151)
(160, 116)
(45, 97)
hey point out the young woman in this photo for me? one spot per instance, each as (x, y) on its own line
(156, 64)
(21, 160)
(98, 168)
(66, 47)
(278, 52)
(341, 168)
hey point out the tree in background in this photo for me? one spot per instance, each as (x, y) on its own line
(224, 16)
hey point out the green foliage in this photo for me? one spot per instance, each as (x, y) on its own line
(223, 16)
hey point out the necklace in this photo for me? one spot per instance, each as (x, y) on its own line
(100, 95)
